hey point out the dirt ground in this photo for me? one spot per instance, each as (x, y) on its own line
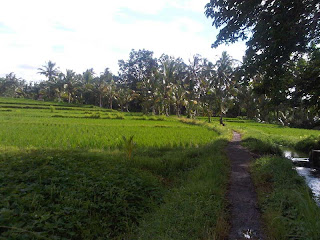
(245, 215)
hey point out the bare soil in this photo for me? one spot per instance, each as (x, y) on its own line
(245, 216)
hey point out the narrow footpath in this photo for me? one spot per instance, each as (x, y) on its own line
(245, 217)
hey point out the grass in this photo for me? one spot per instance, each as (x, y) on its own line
(289, 212)
(196, 209)
(269, 136)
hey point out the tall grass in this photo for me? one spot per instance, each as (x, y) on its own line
(286, 202)
(196, 209)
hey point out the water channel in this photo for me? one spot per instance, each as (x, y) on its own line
(302, 166)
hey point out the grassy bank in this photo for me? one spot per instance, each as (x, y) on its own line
(265, 138)
(288, 210)
(197, 208)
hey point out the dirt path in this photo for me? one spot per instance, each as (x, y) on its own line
(245, 217)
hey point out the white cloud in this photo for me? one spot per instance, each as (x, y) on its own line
(81, 34)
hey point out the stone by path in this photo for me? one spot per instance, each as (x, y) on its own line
(245, 216)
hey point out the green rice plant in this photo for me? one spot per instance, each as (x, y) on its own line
(119, 116)
(52, 108)
(161, 118)
(128, 146)
(93, 115)
(195, 209)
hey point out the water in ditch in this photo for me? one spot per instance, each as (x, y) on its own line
(311, 175)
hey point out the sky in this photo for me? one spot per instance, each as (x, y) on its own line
(78, 34)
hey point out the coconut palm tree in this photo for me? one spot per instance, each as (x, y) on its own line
(223, 85)
(70, 83)
(49, 70)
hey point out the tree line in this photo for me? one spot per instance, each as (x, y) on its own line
(168, 85)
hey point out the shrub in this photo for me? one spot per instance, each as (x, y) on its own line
(119, 116)
(52, 108)
(307, 144)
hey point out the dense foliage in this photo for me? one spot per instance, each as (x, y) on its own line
(282, 58)
(168, 85)
(276, 30)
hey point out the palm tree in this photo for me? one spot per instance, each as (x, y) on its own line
(224, 81)
(206, 88)
(49, 70)
(69, 83)
(125, 96)
(107, 87)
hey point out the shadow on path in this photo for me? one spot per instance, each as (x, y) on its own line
(245, 216)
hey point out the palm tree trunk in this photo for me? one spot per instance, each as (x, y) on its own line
(110, 102)
(221, 117)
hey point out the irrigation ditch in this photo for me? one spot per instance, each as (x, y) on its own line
(305, 168)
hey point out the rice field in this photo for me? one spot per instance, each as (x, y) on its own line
(65, 174)
(78, 128)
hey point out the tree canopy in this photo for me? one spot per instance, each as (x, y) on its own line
(274, 31)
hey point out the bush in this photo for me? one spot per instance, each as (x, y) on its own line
(261, 146)
(119, 116)
(52, 108)
(307, 144)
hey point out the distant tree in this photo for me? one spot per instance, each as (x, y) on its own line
(107, 87)
(11, 86)
(206, 89)
(70, 83)
(224, 85)
(125, 96)
(88, 93)
(137, 72)
(50, 87)
(49, 70)
(195, 69)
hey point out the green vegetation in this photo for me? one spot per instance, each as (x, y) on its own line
(266, 138)
(288, 209)
(83, 172)
(72, 170)
(71, 195)
(78, 128)
(197, 208)
(65, 175)
(289, 212)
